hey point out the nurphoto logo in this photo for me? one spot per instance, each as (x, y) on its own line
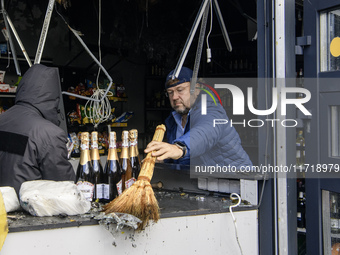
(238, 105)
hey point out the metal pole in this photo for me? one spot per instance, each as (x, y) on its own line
(222, 25)
(189, 39)
(44, 31)
(199, 50)
(100, 66)
(281, 145)
(17, 67)
(18, 40)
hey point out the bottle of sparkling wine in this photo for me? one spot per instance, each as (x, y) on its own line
(125, 162)
(112, 171)
(84, 176)
(97, 169)
(134, 154)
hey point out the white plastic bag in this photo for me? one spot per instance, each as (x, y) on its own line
(47, 198)
(10, 197)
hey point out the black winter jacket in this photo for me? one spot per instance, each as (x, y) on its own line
(32, 146)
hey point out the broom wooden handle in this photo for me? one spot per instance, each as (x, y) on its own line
(149, 162)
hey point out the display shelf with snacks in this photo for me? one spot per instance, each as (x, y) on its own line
(78, 111)
(7, 92)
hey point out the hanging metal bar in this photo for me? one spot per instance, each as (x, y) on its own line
(19, 41)
(14, 54)
(199, 50)
(100, 66)
(204, 6)
(44, 31)
(222, 25)
(189, 39)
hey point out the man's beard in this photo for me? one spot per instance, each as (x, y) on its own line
(184, 111)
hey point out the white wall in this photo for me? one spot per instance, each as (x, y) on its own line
(204, 234)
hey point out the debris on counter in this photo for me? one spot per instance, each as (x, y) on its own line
(115, 222)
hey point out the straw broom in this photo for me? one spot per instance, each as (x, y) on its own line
(139, 200)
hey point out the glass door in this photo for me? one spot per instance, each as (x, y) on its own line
(322, 79)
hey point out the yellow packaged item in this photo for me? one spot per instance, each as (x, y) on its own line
(3, 222)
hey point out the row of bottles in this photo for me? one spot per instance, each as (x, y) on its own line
(237, 61)
(300, 82)
(334, 212)
(157, 99)
(301, 204)
(104, 184)
(300, 149)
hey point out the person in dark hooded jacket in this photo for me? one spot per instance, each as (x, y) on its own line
(32, 146)
(191, 137)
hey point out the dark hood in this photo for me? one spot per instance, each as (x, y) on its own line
(40, 87)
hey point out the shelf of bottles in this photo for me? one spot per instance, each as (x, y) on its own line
(241, 62)
(300, 161)
(331, 221)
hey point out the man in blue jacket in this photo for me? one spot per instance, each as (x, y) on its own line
(191, 136)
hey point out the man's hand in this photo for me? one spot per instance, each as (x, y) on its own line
(163, 150)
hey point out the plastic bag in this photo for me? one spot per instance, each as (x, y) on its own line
(10, 197)
(48, 198)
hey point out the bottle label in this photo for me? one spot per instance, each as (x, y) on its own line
(106, 191)
(94, 145)
(94, 139)
(112, 140)
(100, 190)
(84, 146)
(125, 144)
(133, 143)
(298, 155)
(119, 187)
(86, 188)
(129, 182)
(112, 145)
(334, 223)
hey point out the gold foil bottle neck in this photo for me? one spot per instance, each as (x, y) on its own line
(85, 140)
(133, 134)
(94, 140)
(85, 152)
(94, 146)
(112, 140)
(125, 139)
(125, 145)
(112, 154)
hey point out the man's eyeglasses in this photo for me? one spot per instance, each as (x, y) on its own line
(179, 90)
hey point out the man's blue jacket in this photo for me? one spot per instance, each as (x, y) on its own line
(208, 145)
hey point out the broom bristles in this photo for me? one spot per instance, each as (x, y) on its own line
(139, 200)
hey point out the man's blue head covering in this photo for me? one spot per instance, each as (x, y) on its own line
(185, 75)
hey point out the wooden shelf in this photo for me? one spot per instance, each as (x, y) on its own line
(118, 99)
(116, 124)
(7, 94)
